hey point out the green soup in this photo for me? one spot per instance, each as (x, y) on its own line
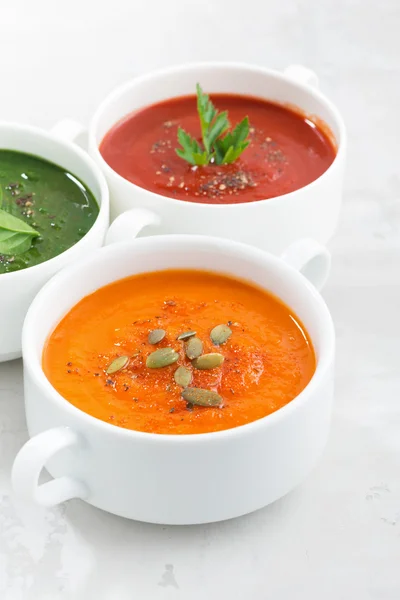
(51, 200)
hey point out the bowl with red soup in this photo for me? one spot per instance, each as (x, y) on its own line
(177, 379)
(229, 150)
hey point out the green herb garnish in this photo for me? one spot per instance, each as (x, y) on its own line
(15, 235)
(215, 148)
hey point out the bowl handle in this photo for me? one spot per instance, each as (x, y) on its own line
(302, 74)
(69, 130)
(311, 259)
(30, 461)
(129, 224)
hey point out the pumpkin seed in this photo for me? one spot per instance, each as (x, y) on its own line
(185, 335)
(220, 334)
(201, 397)
(208, 361)
(183, 376)
(156, 336)
(161, 358)
(117, 364)
(193, 347)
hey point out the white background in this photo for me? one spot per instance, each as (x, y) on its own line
(337, 537)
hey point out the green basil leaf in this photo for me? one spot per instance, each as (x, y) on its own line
(16, 244)
(5, 234)
(15, 235)
(12, 223)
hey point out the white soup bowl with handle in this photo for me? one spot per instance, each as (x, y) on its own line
(175, 479)
(18, 288)
(272, 224)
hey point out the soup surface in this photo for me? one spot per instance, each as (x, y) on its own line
(287, 151)
(267, 358)
(51, 200)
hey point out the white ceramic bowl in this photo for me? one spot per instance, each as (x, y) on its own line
(273, 224)
(175, 479)
(18, 289)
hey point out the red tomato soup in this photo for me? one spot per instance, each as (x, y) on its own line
(287, 151)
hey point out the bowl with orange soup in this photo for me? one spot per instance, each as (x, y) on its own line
(177, 379)
(224, 149)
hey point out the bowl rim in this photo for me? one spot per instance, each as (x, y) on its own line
(103, 201)
(126, 87)
(32, 363)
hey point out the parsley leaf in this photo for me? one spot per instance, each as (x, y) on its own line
(215, 149)
(191, 150)
(229, 148)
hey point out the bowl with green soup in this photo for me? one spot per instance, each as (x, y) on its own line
(54, 209)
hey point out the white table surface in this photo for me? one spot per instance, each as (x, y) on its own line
(337, 537)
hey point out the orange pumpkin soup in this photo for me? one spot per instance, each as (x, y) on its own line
(179, 352)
